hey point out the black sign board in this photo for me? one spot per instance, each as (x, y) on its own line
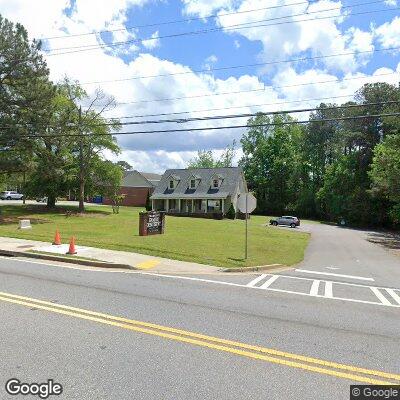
(151, 223)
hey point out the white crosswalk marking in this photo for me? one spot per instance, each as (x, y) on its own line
(255, 281)
(269, 282)
(395, 296)
(314, 288)
(337, 275)
(328, 289)
(386, 297)
(380, 296)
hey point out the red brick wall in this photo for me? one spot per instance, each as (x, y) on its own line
(135, 197)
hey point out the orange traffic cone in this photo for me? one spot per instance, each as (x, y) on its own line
(72, 249)
(57, 238)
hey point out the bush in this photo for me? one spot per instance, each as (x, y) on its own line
(148, 202)
(231, 214)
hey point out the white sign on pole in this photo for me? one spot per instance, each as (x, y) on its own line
(246, 203)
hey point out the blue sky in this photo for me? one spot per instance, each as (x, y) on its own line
(278, 86)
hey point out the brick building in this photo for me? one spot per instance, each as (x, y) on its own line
(135, 186)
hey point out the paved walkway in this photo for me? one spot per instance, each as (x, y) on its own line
(140, 261)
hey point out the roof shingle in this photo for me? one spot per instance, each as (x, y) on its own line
(230, 178)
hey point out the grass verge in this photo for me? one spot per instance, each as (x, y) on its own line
(219, 243)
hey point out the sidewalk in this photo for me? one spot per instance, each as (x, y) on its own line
(134, 260)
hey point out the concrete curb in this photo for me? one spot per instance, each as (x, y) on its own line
(100, 264)
(252, 269)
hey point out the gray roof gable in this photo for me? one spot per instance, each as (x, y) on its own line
(139, 179)
(230, 179)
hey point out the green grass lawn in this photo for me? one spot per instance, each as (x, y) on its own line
(219, 243)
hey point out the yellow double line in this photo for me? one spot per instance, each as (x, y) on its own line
(352, 373)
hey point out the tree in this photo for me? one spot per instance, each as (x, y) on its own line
(206, 158)
(385, 173)
(148, 202)
(269, 161)
(53, 148)
(67, 144)
(93, 132)
(105, 179)
(25, 92)
(231, 214)
(124, 165)
(322, 169)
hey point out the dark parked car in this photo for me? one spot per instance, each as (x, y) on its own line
(285, 220)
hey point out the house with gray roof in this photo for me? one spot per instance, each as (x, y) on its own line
(199, 191)
(135, 187)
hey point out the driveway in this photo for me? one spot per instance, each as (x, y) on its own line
(345, 251)
(34, 202)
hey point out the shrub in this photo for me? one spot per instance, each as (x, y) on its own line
(231, 214)
(148, 202)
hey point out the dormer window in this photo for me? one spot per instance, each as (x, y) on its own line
(216, 181)
(193, 182)
(173, 182)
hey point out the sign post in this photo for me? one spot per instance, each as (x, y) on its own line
(246, 204)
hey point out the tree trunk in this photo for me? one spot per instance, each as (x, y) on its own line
(51, 201)
(81, 194)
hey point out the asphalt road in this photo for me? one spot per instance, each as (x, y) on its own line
(346, 251)
(99, 357)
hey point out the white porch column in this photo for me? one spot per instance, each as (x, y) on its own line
(179, 205)
(192, 206)
(222, 205)
(167, 205)
(152, 205)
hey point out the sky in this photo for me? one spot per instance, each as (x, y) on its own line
(211, 57)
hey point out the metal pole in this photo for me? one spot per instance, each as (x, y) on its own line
(24, 184)
(246, 215)
(81, 172)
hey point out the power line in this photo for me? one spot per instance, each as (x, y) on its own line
(247, 115)
(182, 20)
(293, 60)
(216, 127)
(251, 90)
(234, 107)
(203, 31)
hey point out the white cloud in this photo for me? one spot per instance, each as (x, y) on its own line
(388, 34)
(158, 151)
(152, 42)
(106, 12)
(317, 83)
(204, 8)
(157, 161)
(320, 36)
(236, 43)
(209, 62)
(212, 59)
(48, 16)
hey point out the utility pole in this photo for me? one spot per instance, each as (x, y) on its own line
(247, 234)
(24, 186)
(81, 166)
